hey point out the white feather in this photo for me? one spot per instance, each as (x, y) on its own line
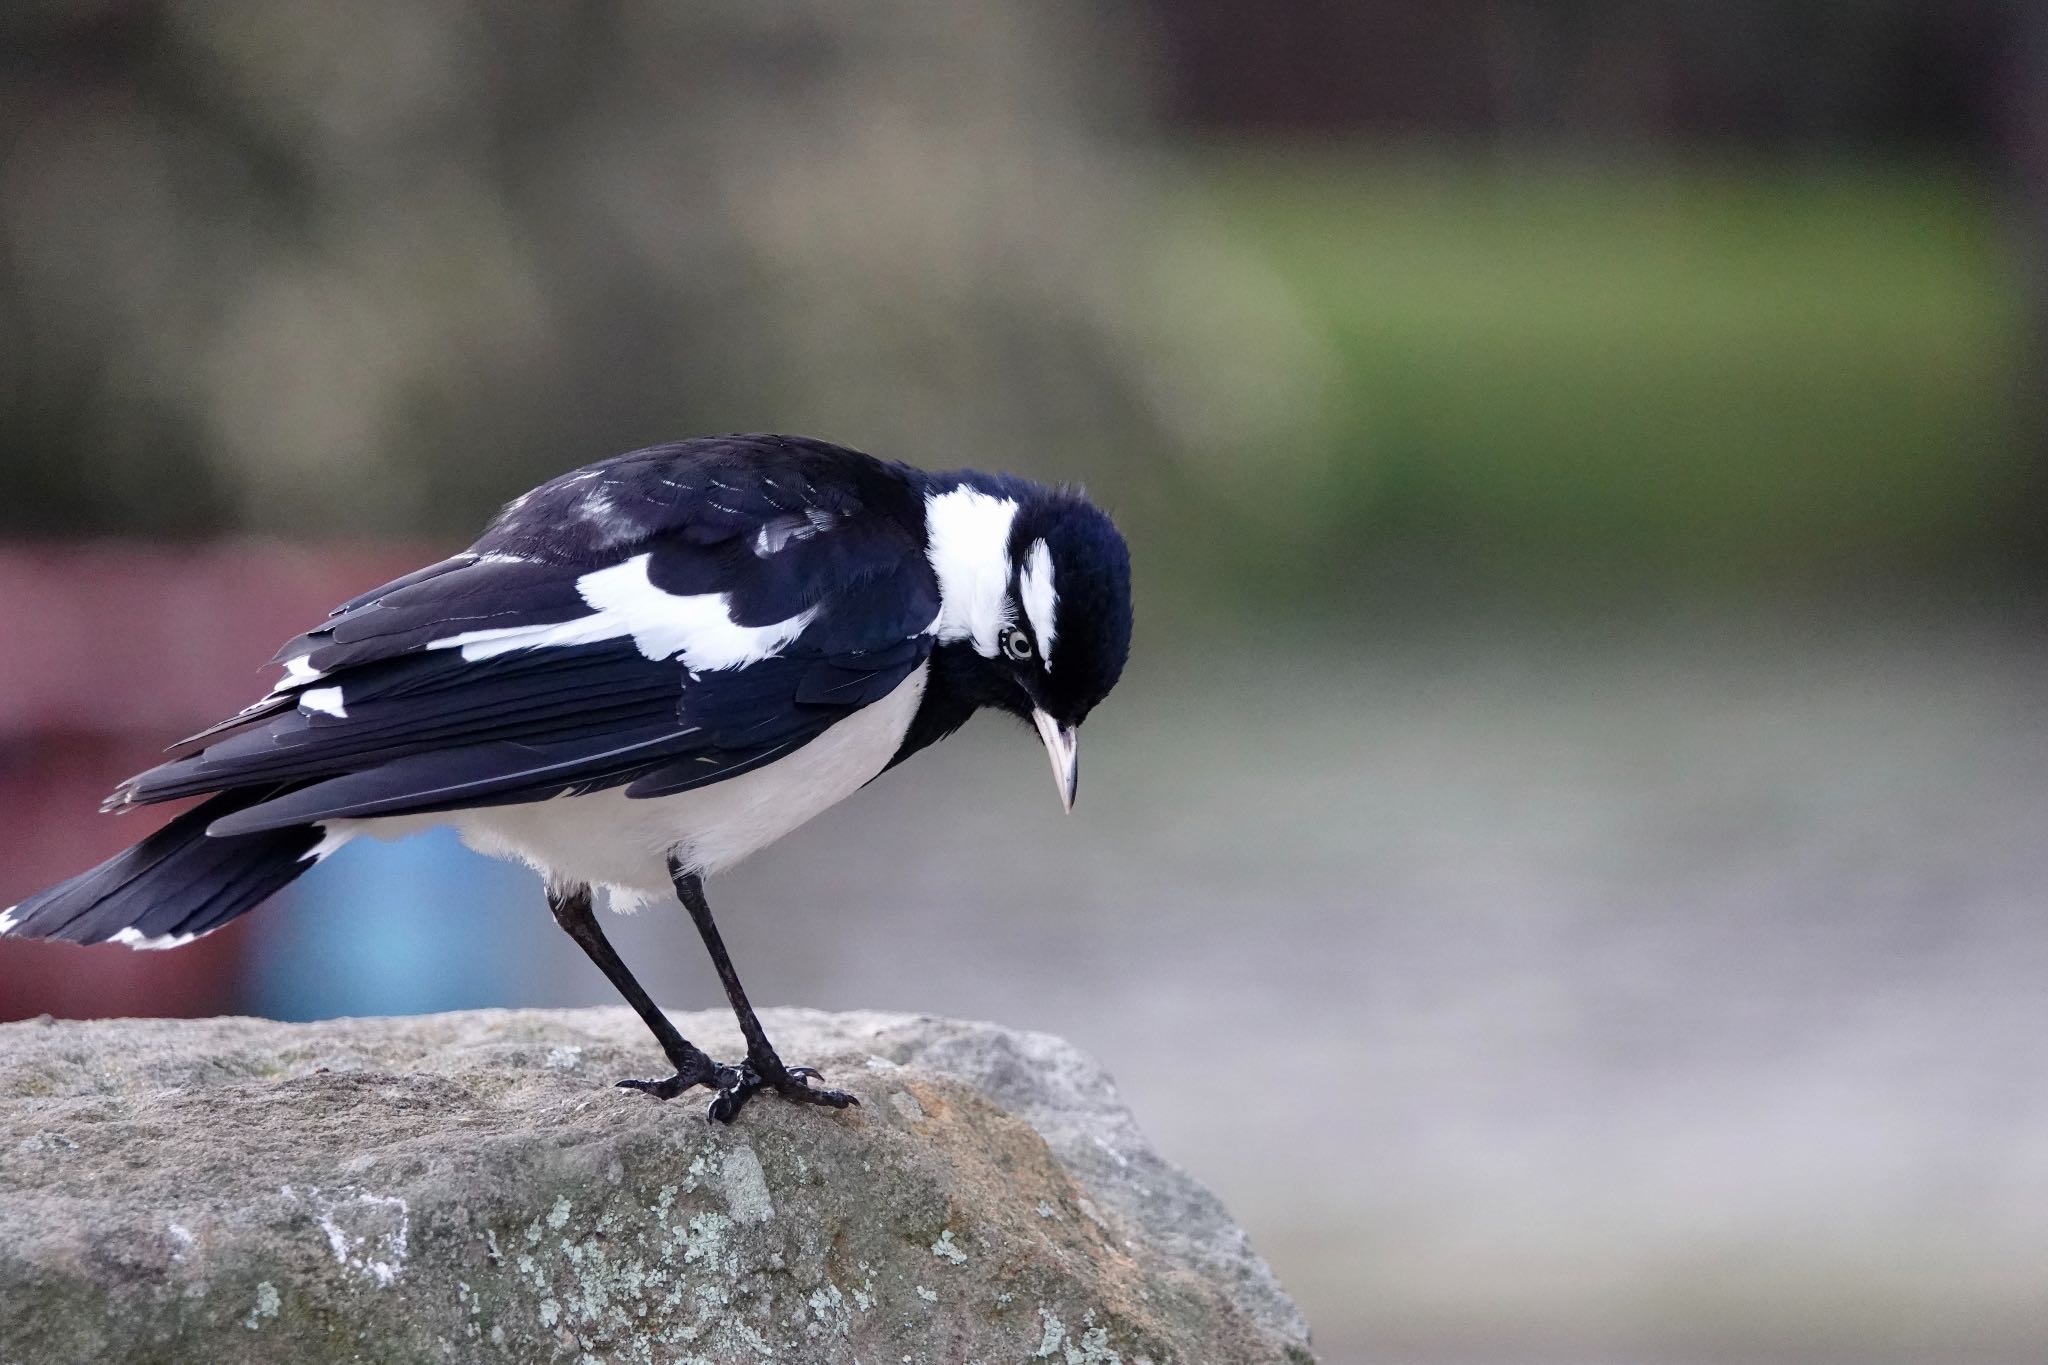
(332, 836)
(326, 700)
(297, 673)
(133, 938)
(609, 840)
(968, 542)
(697, 628)
(1034, 585)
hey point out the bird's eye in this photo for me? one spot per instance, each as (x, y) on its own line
(1016, 643)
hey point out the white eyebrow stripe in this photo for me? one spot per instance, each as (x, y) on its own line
(967, 540)
(1035, 586)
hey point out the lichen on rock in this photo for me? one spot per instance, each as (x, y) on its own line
(442, 1188)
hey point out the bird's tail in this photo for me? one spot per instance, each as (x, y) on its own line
(175, 885)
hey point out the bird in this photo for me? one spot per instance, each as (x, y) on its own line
(642, 672)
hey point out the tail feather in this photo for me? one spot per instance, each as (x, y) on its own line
(173, 886)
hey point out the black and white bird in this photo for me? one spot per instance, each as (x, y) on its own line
(641, 673)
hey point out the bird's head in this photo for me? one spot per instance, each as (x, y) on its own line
(1036, 591)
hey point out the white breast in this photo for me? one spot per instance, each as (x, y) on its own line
(604, 839)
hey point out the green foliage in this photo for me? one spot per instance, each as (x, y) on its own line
(1711, 374)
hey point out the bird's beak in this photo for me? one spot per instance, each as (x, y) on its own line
(1062, 747)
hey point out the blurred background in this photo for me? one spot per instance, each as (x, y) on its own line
(1566, 860)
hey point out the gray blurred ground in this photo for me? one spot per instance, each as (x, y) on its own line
(1671, 991)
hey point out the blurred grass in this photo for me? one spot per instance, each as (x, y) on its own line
(1702, 375)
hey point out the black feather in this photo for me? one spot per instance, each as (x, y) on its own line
(426, 729)
(176, 882)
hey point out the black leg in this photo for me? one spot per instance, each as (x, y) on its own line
(763, 1066)
(571, 909)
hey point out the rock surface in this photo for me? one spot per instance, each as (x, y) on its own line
(471, 1187)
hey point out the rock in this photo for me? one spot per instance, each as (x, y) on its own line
(471, 1187)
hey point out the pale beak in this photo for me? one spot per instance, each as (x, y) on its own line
(1062, 747)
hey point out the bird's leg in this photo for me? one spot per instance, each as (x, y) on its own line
(571, 909)
(763, 1066)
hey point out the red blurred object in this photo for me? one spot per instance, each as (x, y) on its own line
(109, 652)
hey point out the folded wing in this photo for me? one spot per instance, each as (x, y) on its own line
(700, 633)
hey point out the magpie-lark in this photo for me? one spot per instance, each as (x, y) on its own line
(642, 672)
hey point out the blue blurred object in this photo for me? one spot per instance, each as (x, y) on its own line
(408, 927)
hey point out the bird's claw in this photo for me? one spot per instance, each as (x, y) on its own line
(738, 1084)
(795, 1084)
(668, 1087)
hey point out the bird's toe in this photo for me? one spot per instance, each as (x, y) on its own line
(834, 1099)
(795, 1084)
(705, 1073)
(736, 1085)
(667, 1088)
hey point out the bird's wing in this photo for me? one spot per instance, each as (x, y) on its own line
(729, 610)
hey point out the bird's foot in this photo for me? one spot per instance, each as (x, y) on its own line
(794, 1083)
(736, 1084)
(704, 1072)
